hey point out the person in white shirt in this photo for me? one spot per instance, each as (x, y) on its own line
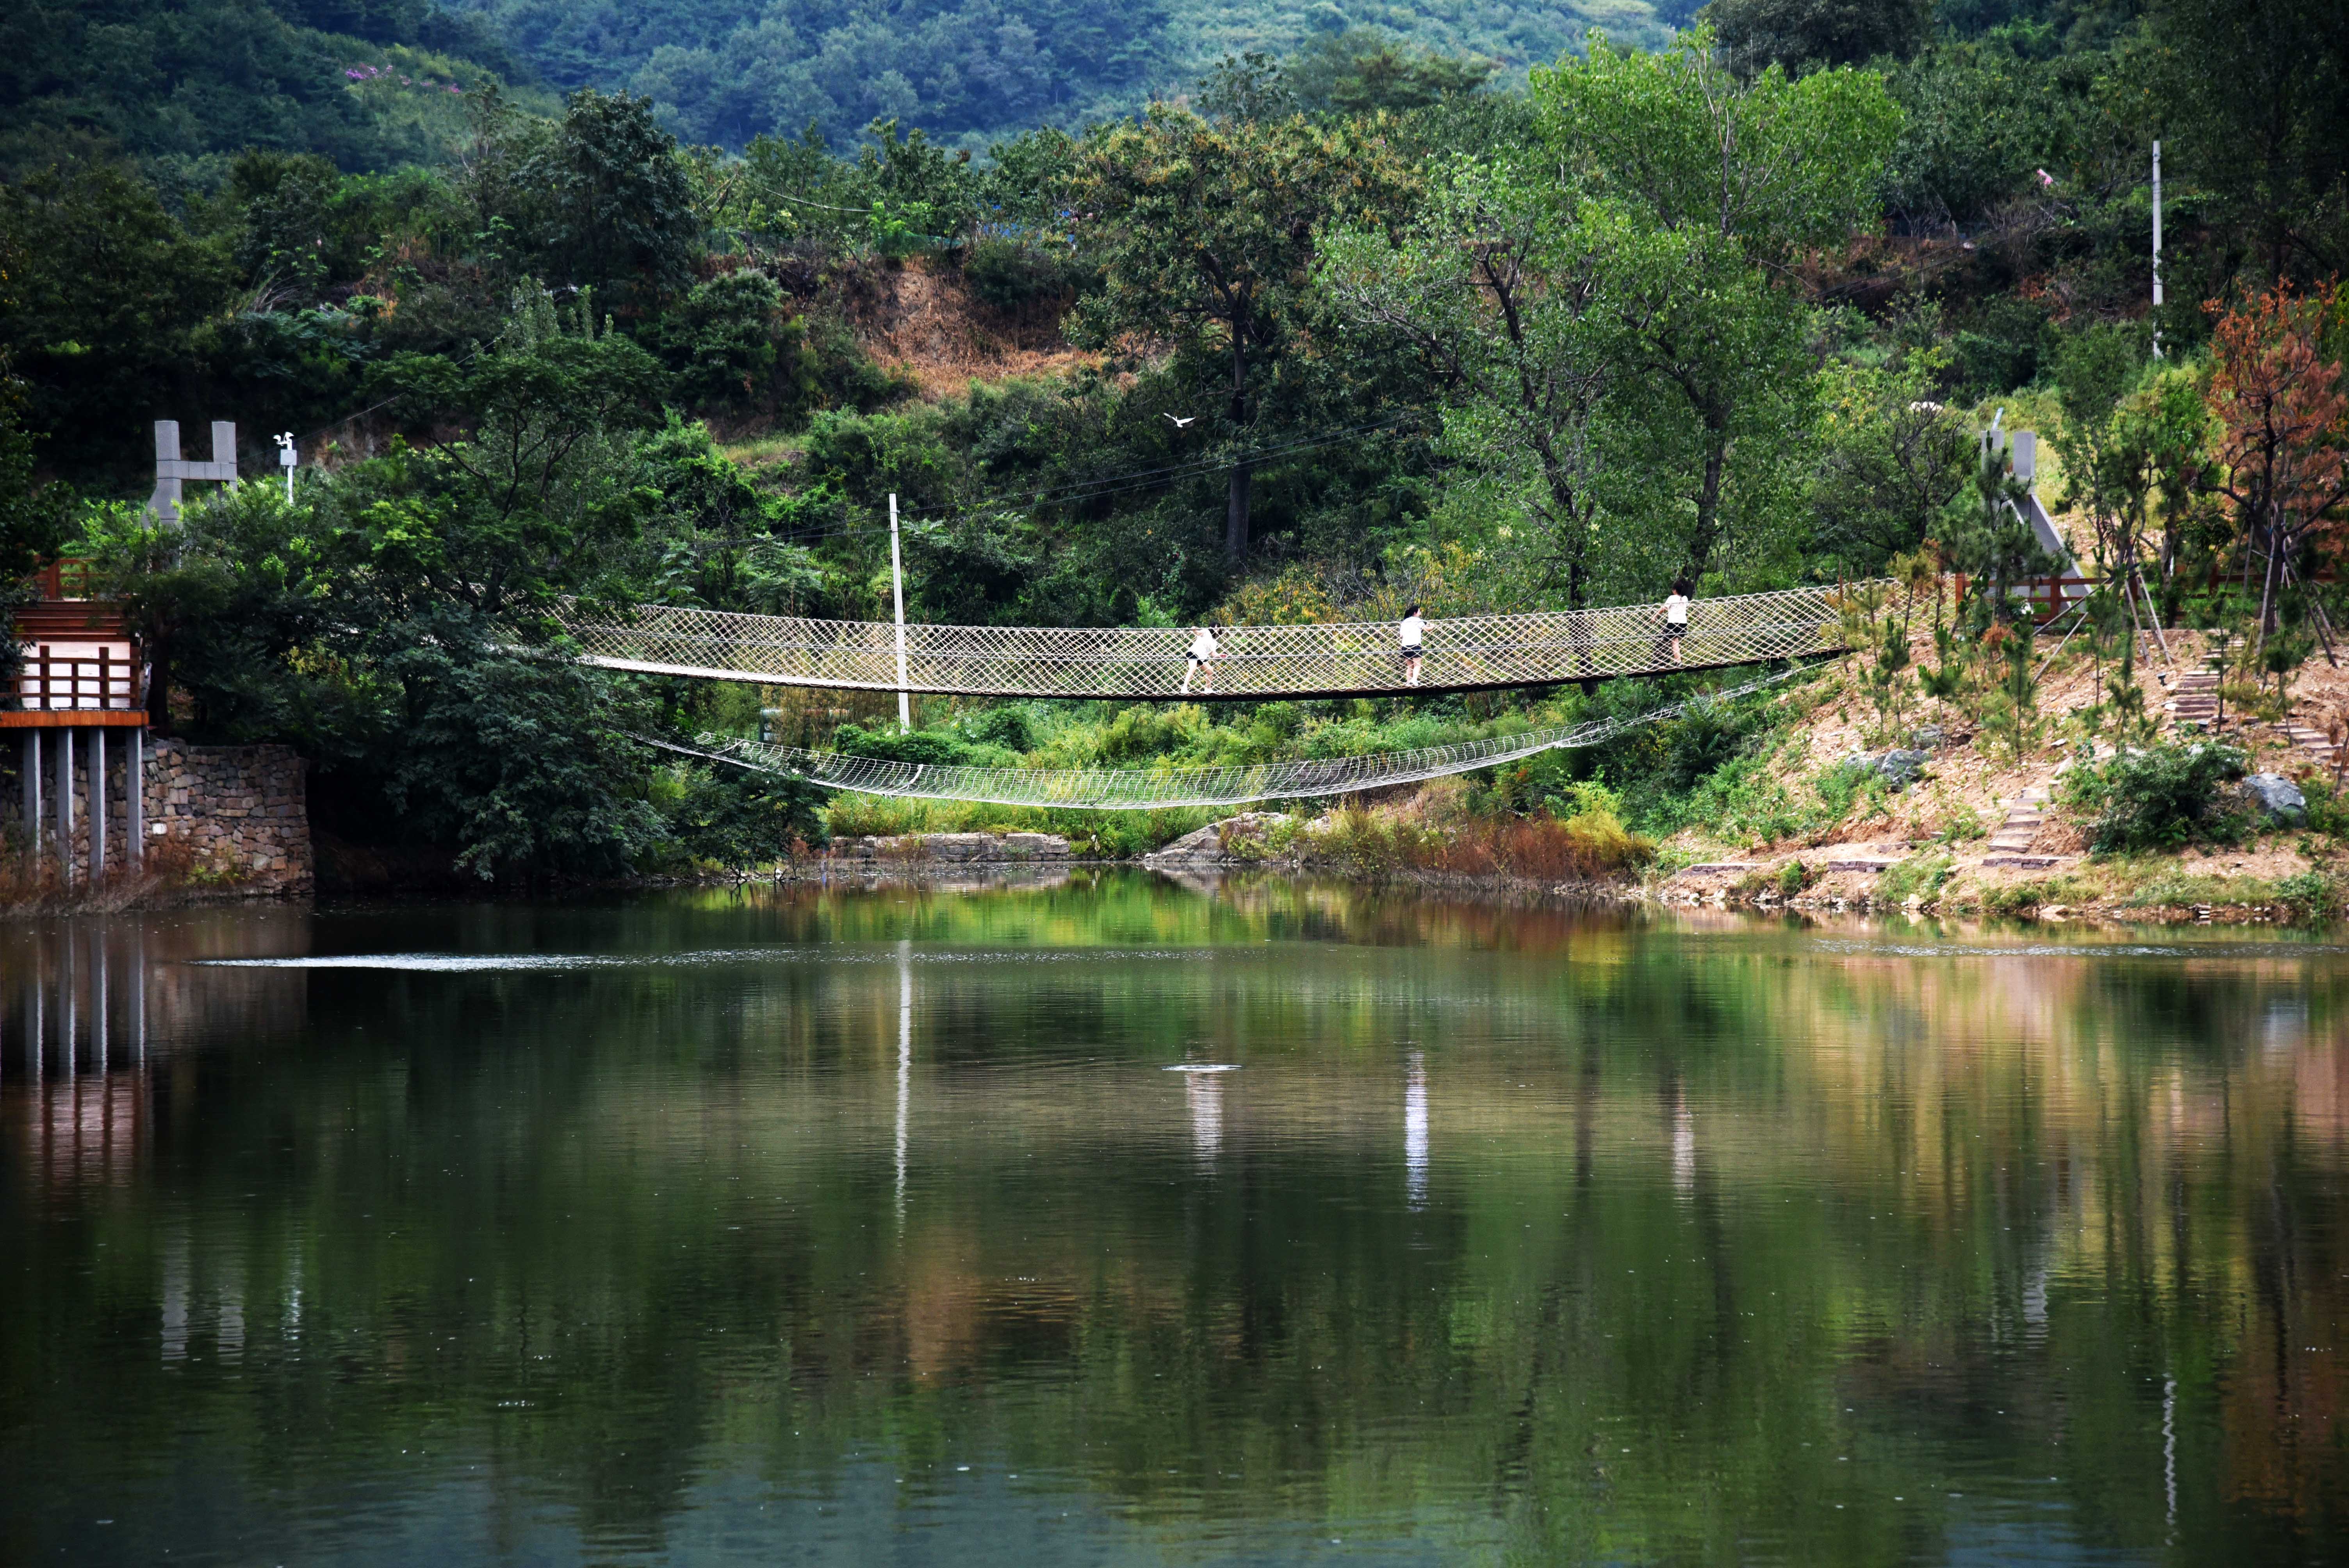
(1203, 659)
(1409, 634)
(1676, 613)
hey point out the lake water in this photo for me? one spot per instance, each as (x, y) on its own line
(1120, 1221)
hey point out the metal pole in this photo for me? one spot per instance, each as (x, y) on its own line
(97, 786)
(2156, 250)
(898, 591)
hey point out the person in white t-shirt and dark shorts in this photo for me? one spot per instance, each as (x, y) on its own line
(1203, 649)
(1409, 634)
(1676, 614)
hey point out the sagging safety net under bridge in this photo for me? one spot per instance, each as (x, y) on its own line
(1150, 788)
(1355, 658)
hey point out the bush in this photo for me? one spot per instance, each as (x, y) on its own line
(2159, 797)
(1707, 736)
(2313, 897)
(739, 819)
(1009, 275)
(731, 344)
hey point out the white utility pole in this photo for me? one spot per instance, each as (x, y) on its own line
(897, 591)
(286, 459)
(2156, 250)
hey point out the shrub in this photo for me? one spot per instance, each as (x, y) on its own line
(740, 818)
(1009, 275)
(1704, 738)
(2159, 797)
(2313, 897)
(1920, 876)
(733, 345)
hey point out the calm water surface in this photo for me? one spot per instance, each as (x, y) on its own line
(1119, 1222)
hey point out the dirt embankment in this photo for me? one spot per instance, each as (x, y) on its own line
(923, 320)
(1986, 827)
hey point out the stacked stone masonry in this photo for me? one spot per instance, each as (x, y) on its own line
(237, 815)
(241, 812)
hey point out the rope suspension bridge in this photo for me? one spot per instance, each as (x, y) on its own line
(1254, 664)
(1154, 789)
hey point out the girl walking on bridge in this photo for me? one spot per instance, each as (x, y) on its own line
(1676, 613)
(1203, 658)
(1409, 634)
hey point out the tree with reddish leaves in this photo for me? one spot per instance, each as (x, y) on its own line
(2283, 428)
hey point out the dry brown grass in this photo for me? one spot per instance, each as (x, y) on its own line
(921, 320)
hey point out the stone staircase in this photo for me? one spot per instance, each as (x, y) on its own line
(2196, 700)
(2010, 845)
(2315, 742)
(1868, 858)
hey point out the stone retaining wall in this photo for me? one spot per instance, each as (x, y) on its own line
(234, 816)
(241, 812)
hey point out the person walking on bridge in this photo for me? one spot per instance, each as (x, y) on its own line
(1676, 614)
(1410, 634)
(1203, 660)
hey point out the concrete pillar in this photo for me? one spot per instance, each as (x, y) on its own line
(134, 805)
(97, 786)
(65, 804)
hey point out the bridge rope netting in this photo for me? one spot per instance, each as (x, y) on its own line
(1353, 659)
(1152, 789)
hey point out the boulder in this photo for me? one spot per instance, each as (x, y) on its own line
(1898, 768)
(1204, 846)
(2278, 796)
(1928, 738)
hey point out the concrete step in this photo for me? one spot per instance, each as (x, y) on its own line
(2026, 862)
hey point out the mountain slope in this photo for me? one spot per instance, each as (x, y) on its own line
(974, 71)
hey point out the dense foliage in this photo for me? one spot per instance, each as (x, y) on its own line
(1321, 335)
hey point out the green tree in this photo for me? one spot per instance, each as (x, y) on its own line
(1797, 34)
(534, 494)
(1206, 235)
(1362, 70)
(614, 204)
(2251, 97)
(1500, 292)
(1728, 181)
(1890, 460)
(105, 289)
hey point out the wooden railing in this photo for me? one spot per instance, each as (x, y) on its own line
(2047, 596)
(51, 682)
(64, 579)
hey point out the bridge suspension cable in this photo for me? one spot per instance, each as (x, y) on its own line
(1355, 658)
(1152, 789)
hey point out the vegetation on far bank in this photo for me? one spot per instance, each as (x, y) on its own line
(1331, 333)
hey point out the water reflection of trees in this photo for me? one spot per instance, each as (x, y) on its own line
(1687, 1196)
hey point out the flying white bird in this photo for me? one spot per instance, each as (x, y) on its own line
(1180, 424)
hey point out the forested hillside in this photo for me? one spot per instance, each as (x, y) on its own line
(973, 71)
(367, 84)
(1337, 331)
